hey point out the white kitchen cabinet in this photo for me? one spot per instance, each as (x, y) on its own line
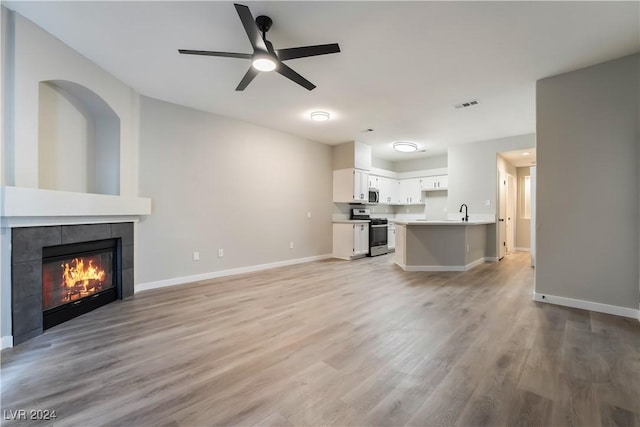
(391, 236)
(388, 188)
(443, 182)
(374, 181)
(350, 186)
(350, 241)
(434, 183)
(410, 191)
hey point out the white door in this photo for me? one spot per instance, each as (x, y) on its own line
(502, 213)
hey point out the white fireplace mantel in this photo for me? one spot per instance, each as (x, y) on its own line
(24, 207)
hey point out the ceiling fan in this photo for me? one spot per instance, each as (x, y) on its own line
(265, 57)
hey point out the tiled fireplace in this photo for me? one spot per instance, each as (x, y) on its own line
(59, 272)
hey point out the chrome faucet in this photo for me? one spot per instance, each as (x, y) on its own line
(466, 213)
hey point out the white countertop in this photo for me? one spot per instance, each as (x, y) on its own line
(351, 221)
(443, 222)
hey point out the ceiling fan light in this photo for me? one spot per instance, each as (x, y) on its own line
(319, 116)
(263, 63)
(405, 147)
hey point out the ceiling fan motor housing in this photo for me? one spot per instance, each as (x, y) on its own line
(264, 23)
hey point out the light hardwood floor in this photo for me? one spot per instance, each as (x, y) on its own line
(334, 343)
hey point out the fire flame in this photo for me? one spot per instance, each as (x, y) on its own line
(78, 273)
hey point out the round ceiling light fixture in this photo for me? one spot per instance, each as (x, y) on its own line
(405, 147)
(319, 116)
(526, 153)
(263, 63)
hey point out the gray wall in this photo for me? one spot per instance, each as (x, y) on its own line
(220, 183)
(432, 162)
(473, 175)
(588, 182)
(343, 156)
(382, 164)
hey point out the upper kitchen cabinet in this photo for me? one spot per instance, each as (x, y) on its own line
(410, 191)
(356, 155)
(350, 186)
(388, 188)
(434, 183)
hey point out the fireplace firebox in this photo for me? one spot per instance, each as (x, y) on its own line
(43, 286)
(78, 278)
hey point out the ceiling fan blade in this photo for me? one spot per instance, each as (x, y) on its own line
(302, 52)
(250, 28)
(292, 75)
(212, 53)
(248, 77)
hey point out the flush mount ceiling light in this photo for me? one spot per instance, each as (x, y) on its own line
(405, 147)
(319, 116)
(526, 153)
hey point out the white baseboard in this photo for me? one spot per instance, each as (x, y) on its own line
(223, 273)
(522, 249)
(588, 305)
(446, 267)
(7, 342)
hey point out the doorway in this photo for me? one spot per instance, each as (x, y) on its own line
(514, 220)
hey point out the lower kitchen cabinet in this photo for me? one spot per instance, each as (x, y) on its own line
(350, 240)
(391, 237)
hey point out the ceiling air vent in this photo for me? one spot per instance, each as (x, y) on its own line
(466, 104)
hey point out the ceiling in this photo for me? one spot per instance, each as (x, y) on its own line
(520, 158)
(402, 67)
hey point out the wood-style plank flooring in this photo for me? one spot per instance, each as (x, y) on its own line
(334, 343)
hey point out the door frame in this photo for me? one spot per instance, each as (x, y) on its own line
(502, 213)
(511, 202)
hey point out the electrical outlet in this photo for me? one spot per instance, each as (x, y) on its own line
(290, 245)
(220, 253)
(487, 202)
(309, 215)
(467, 248)
(196, 256)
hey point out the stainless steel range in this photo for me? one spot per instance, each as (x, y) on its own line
(377, 231)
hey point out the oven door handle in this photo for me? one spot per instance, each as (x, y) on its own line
(379, 226)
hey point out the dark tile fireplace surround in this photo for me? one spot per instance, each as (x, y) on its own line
(26, 267)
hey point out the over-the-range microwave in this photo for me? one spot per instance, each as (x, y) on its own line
(374, 195)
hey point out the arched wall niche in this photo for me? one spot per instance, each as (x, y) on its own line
(78, 140)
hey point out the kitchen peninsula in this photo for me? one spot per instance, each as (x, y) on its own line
(447, 245)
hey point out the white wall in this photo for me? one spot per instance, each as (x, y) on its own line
(221, 183)
(587, 184)
(39, 57)
(473, 172)
(66, 140)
